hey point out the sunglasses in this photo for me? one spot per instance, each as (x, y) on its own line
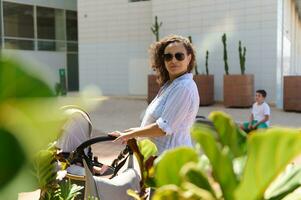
(179, 56)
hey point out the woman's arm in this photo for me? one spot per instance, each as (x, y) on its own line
(151, 130)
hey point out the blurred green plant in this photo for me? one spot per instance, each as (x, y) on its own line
(29, 119)
(145, 152)
(51, 185)
(240, 166)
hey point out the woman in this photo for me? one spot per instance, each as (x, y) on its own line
(170, 115)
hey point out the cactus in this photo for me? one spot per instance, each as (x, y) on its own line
(206, 63)
(242, 58)
(155, 28)
(196, 66)
(225, 53)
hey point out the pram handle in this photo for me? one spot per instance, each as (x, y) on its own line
(93, 141)
(78, 154)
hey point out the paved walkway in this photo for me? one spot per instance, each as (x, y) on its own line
(120, 113)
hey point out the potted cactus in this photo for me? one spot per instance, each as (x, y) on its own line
(205, 83)
(238, 88)
(152, 85)
(291, 98)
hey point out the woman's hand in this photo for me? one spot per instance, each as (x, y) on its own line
(122, 137)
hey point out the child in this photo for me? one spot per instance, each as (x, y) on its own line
(260, 113)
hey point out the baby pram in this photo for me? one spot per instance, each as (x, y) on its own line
(124, 173)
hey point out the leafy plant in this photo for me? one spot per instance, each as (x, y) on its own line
(242, 58)
(224, 40)
(206, 63)
(29, 119)
(156, 28)
(45, 170)
(240, 167)
(50, 184)
(196, 66)
(67, 190)
(144, 150)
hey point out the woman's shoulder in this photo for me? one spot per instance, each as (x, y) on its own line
(186, 84)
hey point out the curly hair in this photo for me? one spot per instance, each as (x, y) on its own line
(156, 51)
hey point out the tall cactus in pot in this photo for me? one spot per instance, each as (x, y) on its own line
(206, 63)
(196, 66)
(155, 28)
(224, 39)
(242, 58)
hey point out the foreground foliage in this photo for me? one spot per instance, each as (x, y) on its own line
(228, 164)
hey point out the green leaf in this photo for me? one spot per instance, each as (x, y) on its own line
(169, 164)
(68, 191)
(229, 133)
(269, 152)
(35, 122)
(133, 194)
(147, 148)
(195, 192)
(12, 157)
(220, 159)
(30, 112)
(168, 192)
(44, 168)
(285, 183)
(19, 82)
(296, 195)
(192, 174)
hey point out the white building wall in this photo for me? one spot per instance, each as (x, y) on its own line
(116, 27)
(114, 36)
(253, 22)
(47, 62)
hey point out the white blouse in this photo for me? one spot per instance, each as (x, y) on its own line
(174, 110)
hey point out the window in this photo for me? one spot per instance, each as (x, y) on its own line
(45, 23)
(71, 29)
(19, 44)
(50, 29)
(71, 25)
(18, 26)
(18, 20)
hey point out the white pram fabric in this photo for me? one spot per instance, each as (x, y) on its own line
(75, 131)
(115, 188)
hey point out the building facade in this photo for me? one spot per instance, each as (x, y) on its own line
(44, 32)
(114, 36)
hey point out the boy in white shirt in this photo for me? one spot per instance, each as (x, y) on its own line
(260, 114)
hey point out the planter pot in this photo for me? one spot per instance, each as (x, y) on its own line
(238, 90)
(152, 88)
(291, 93)
(205, 84)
